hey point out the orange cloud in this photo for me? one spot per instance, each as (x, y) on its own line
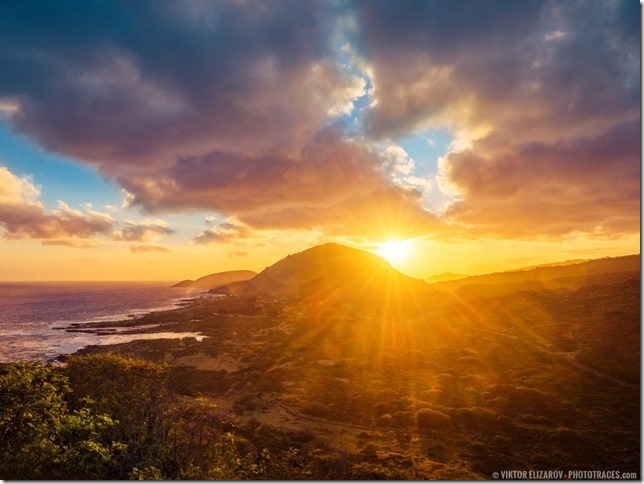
(23, 217)
(141, 249)
(145, 231)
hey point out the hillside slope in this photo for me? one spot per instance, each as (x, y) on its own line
(328, 270)
(608, 270)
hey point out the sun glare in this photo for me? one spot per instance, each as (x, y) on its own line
(395, 251)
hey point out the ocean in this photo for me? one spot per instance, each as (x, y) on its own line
(33, 315)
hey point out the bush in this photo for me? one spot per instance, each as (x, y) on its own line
(403, 418)
(386, 420)
(133, 392)
(428, 419)
(478, 417)
(40, 437)
(499, 403)
(433, 395)
(51, 428)
(247, 401)
(382, 408)
(316, 409)
(534, 419)
(367, 471)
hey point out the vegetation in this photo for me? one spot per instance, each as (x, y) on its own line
(110, 417)
(449, 385)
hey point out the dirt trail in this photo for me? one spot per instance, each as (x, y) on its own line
(570, 359)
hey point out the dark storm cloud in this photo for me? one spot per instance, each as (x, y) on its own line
(128, 81)
(541, 65)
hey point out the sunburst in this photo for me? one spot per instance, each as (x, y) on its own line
(396, 251)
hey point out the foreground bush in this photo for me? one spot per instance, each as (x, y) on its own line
(40, 437)
(106, 417)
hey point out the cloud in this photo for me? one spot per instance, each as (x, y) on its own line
(23, 217)
(589, 184)
(543, 98)
(16, 190)
(236, 108)
(230, 109)
(75, 243)
(237, 253)
(222, 232)
(141, 249)
(145, 231)
(218, 76)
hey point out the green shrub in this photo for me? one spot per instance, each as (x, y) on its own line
(41, 437)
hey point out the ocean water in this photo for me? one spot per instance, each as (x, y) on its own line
(33, 315)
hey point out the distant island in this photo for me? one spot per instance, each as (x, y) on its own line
(212, 281)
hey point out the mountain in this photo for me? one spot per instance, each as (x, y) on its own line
(445, 276)
(572, 276)
(217, 279)
(327, 270)
(555, 264)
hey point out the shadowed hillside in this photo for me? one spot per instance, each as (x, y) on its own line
(330, 271)
(217, 279)
(552, 276)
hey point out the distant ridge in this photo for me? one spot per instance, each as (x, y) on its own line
(329, 269)
(217, 279)
(553, 264)
(567, 275)
(445, 276)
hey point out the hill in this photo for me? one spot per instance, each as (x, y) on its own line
(450, 384)
(555, 264)
(445, 276)
(217, 279)
(567, 275)
(328, 270)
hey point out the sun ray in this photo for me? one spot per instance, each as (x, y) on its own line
(395, 251)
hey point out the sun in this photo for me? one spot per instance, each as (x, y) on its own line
(395, 251)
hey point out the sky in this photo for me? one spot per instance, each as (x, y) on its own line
(164, 140)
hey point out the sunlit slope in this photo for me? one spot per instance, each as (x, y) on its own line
(328, 270)
(568, 276)
(450, 380)
(217, 279)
